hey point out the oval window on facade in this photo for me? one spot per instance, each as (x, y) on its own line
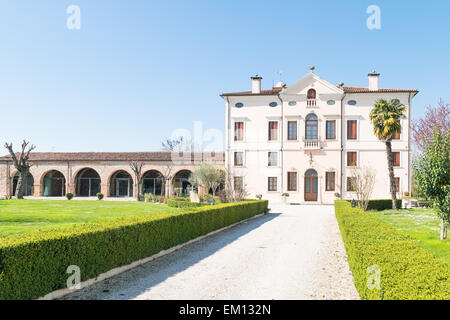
(273, 104)
(331, 102)
(352, 103)
(239, 105)
(292, 103)
(396, 101)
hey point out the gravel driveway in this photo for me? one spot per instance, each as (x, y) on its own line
(295, 252)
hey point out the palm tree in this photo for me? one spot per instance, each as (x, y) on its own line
(385, 117)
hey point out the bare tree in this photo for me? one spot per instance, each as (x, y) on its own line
(363, 180)
(233, 194)
(136, 167)
(166, 175)
(176, 144)
(22, 165)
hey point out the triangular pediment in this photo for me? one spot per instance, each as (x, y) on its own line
(312, 81)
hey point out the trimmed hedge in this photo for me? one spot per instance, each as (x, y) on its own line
(380, 205)
(34, 264)
(408, 272)
(183, 204)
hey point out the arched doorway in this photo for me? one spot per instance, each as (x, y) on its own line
(87, 183)
(181, 184)
(121, 184)
(311, 185)
(153, 182)
(54, 184)
(311, 127)
(29, 184)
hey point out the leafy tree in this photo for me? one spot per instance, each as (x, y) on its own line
(385, 117)
(432, 173)
(207, 176)
(22, 165)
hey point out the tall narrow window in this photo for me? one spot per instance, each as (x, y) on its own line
(397, 184)
(331, 129)
(273, 130)
(396, 136)
(396, 158)
(330, 181)
(238, 183)
(311, 94)
(352, 129)
(292, 181)
(352, 159)
(272, 184)
(292, 130)
(311, 127)
(238, 159)
(273, 159)
(238, 131)
(350, 184)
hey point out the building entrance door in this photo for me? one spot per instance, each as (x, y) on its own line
(311, 185)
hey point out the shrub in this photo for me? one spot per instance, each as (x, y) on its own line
(35, 264)
(69, 196)
(407, 271)
(100, 196)
(183, 204)
(379, 205)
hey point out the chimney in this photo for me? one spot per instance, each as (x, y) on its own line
(256, 84)
(374, 80)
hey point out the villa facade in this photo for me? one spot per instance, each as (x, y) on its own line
(303, 140)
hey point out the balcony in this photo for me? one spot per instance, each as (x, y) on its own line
(311, 103)
(311, 144)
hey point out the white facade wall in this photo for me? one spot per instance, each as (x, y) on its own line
(293, 156)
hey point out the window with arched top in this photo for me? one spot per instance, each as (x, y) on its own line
(311, 94)
(311, 127)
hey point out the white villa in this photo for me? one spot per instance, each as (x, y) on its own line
(303, 139)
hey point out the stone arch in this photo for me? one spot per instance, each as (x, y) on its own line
(120, 184)
(180, 182)
(53, 184)
(87, 183)
(153, 182)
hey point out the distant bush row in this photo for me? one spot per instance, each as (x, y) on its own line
(34, 264)
(407, 271)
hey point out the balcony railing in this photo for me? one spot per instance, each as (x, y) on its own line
(311, 103)
(312, 144)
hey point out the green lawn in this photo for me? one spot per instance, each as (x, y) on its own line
(422, 225)
(21, 216)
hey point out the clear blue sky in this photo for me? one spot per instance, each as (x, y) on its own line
(137, 70)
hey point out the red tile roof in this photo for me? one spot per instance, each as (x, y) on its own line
(110, 156)
(381, 90)
(276, 90)
(273, 91)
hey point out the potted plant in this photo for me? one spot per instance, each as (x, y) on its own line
(284, 196)
(100, 196)
(69, 196)
(337, 195)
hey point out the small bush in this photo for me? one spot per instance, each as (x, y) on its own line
(100, 196)
(408, 272)
(379, 205)
(183, 203)
(35, 264)
(69, 196)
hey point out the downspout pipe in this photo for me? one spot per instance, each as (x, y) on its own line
(342, 145)
(281, 144)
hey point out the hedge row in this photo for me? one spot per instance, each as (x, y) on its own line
(380, 205)
(34, 264)
(408, 272)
